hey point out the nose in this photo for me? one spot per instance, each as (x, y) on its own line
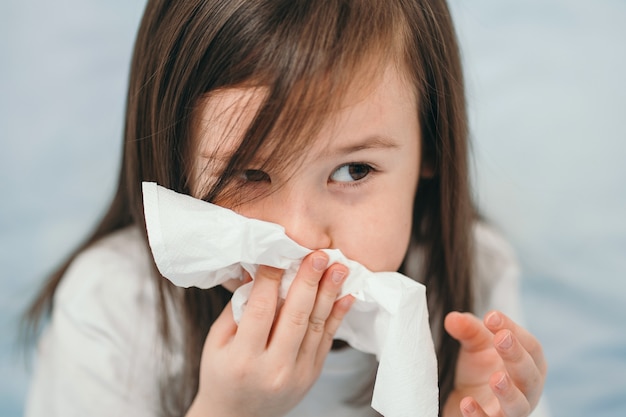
(303, 216)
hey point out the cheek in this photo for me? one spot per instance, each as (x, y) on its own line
(394, 242)
(383, 243)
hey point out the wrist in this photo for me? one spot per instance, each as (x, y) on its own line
(200, 408)
(196, 409)
(203, 407)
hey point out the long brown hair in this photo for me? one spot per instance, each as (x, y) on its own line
(305, 54)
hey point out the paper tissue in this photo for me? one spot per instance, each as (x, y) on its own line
(195, 243)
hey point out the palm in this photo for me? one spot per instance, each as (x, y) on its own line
(473, 370)
(500, 369)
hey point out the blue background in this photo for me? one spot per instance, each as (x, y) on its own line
(547, 102)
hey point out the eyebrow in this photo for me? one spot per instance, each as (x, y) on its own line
(370, 142)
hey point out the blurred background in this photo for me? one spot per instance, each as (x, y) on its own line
(547, 100)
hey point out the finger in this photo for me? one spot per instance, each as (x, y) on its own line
(258, 316)
(520, 365)
(470, 408)
(223, 328)
(293, 320)
(233, 284)
(329, 290)
(496, 321)
(468, 330)
(512, 400)
(339, 311)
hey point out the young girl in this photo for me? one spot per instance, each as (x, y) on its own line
(341, 120)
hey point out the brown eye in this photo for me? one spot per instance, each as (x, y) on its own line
(351, 172)
(358, 171)
(255, 175)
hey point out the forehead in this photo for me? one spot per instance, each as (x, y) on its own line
(377, 103)
(222, 117)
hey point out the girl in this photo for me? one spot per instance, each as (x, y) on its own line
(343, 121)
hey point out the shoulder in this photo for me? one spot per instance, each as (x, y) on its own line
(101, 352)
(109, 293)
(118, 264)
(496, 271)
(493, 254)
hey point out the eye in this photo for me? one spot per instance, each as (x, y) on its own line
(351, 172)
(255, 175)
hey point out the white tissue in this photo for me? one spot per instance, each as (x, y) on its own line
(195, 243)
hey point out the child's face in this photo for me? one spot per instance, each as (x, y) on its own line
(353, 189)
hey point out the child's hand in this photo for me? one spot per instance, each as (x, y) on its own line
(501, 367)
(265, 366)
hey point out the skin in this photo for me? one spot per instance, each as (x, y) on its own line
(364, 164)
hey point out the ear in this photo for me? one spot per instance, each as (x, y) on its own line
(427, 168)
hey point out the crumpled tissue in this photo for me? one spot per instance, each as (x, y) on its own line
(195, 243)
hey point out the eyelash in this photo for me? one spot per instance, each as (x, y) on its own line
(264, 177)
(358, 182)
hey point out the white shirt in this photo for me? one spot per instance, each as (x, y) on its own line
(101, 353)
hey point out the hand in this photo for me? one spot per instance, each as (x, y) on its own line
(265, 366)
(501, 368)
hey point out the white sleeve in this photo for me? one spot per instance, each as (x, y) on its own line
(496, 272)
(496, 285)
(99, 354)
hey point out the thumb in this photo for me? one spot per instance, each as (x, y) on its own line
(223, 328)
(468, 330)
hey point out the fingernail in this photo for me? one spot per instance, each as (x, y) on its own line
(502, 383)
(337, 276)
(494, 319)
(319, 263)
(506, 342)
(470, 407)
(347, 302)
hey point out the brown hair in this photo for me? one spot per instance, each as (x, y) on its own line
(304, 52)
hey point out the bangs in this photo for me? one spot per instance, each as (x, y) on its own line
(304, 58)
